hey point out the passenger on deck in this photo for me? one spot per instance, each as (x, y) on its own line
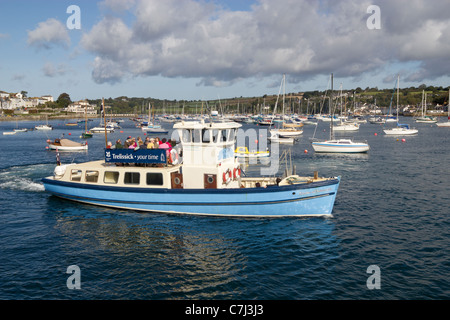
(151, 144)
(127, 143)
(119, 144)
(133, 143)
(164, 145)
(141, 144)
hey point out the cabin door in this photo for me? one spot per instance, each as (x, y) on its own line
(210, 181)
(177, 180)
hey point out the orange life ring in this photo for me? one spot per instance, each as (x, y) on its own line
(237, 173)
(172, 158)
(226, 176)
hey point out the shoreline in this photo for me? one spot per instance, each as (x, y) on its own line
(44, 117)
(54, 117)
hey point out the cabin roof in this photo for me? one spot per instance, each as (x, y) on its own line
(203, 125)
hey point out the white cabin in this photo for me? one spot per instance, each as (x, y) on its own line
(208, 154)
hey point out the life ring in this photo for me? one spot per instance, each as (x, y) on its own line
(237, 173)
(173, 159)
(226, 176)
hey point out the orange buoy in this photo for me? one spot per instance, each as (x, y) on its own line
(403, 140)
(306, 151)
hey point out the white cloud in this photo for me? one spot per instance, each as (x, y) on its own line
(50, 70)
(117, 5)
(48, 34)
(303, 38)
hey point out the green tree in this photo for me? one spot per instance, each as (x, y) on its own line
(63, 100)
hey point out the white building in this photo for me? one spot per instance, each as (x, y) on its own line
(80, 107)
(14, 101)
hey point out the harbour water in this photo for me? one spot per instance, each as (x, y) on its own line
(392, 211)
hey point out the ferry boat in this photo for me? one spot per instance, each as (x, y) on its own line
(207, 181)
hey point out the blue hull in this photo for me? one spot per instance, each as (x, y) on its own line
(313, 199)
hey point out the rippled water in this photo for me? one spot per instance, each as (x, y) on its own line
(392, 210)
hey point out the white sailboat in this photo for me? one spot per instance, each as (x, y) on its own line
(151, 127)
(284, 134)
(400, 129)
(338, 145)
(446, 124)
(102, 126)
(424, 118)
(346, 126)
(44, 126)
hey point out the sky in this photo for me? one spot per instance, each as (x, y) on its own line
(219, 49)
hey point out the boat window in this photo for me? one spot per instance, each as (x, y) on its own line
(216, 135)
(111, 177)
(232, 135)
(197, 135)
(154, 178)
(91, 176)
(75, 175)
(186, 135)
(131, 178)
(206, 135)
(224, 135)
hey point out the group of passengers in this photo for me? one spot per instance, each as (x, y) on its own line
(149, 143)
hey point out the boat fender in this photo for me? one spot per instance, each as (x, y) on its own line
(237, 173)
(226, 176)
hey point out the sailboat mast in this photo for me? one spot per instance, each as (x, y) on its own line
(398, 92)
(104, 122)
(85, 118)
(331, 111)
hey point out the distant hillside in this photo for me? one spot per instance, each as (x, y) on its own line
(294, 102)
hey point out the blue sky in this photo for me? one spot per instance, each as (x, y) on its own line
(187, 49)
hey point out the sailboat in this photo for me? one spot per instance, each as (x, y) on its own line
(401, 129)
(424, 118)
(17, 129)
(102, 126)
(338, 145)
(151, 127)
(288, 130)
(446, 124)
(44, 126)
(283, 134)
(86, 133)
(345, 125)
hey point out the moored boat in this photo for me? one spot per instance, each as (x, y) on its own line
(341, 146)
(243, 152)
(401, 129)
(101, 129)
(44, 127)
(333, 145)
(66, 145)
(208, 181)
